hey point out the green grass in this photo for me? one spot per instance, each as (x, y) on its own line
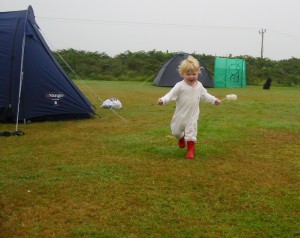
(105, 177)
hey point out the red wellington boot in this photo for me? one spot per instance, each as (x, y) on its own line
(181, 143)
(191, 150)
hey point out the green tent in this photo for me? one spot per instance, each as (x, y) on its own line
(229, 73)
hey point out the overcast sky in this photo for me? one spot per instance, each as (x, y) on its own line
(214, 27)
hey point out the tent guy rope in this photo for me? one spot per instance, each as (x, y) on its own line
(79, 78)
(88, 87)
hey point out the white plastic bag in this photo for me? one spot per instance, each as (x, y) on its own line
(112, 103)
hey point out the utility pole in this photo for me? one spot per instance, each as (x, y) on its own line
(262, 32)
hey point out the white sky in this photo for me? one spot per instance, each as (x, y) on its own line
(214, 27)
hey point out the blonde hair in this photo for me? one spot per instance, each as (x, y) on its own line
(189, 65)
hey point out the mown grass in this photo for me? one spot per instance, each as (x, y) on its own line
(105, 177)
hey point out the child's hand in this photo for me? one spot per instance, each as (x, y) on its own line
(160, 101)
(218, 101)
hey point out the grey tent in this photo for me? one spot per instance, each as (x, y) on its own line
(168, 75)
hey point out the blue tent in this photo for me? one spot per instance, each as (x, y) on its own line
(33, 86)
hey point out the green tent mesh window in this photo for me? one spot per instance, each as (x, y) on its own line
(229, 73)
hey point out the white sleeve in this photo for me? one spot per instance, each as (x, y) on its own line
(172, 95)
(206, 97)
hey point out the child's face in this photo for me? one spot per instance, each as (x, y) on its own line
(190, 78)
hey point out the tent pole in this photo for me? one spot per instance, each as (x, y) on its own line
(21, 71)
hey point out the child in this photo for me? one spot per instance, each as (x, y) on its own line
(187, 93)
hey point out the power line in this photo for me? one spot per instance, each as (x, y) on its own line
(155, 24)
(95, 21)
(285, 34)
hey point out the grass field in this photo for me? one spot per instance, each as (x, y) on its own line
(107, 177)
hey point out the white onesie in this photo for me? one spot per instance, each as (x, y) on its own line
(187, 97)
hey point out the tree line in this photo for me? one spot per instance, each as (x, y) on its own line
(143, 66)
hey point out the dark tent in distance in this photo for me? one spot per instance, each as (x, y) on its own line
(168, 75)
(33, 86)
